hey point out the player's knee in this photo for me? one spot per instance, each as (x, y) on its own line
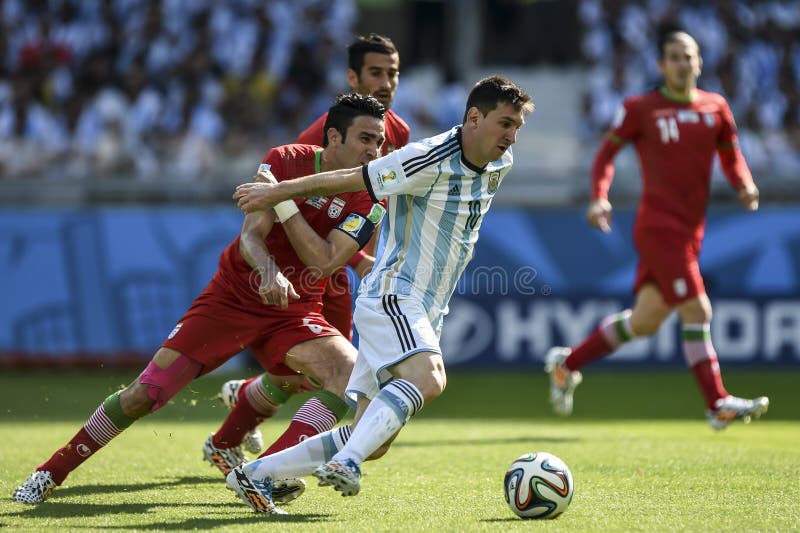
(156, 386)
(433, 385)
(645, 328)
(646, 324)
(135, 400)
(696, 311)
(337, 378)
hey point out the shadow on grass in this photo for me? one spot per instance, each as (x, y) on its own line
(88, 490)
(229, 513)
(517, 519)
(480, 442)
(205, 516)
(504, 520)
(209, 523)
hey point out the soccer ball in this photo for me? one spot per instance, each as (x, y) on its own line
(538, 485)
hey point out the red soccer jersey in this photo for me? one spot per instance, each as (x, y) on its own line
(397, 132)
(675, 141)
(351, 212)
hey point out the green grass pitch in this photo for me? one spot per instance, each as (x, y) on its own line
(641, 453)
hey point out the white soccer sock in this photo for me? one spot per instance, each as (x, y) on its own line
(393, 406)
(301, 459)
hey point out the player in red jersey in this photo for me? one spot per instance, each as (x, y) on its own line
(374, 70)
(266, 294)
(676, 129)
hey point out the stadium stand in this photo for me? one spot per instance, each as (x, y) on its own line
(132, 99)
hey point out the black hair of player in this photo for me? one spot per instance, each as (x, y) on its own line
(489, 92)
(346, 108)
(361, 46)
(671, 34)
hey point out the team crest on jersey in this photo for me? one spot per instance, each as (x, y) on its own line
(709, 119)
(317, 201)
(335, 209)
(494, 182)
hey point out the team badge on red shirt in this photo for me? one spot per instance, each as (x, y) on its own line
(335, 209)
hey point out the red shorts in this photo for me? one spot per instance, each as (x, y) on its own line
(337, 304)
(670, 260)
(219, 325)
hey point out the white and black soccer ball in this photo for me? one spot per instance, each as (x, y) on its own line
(538, 485)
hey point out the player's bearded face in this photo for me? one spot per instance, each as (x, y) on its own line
(363, 142)
(378, 77)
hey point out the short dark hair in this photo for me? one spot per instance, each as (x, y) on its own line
(489, 92)
(346, 108)
(361, 46)
(670, 35)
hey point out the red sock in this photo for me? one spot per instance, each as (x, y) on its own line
(244, 386)
(239, 421)
(294, 434)
(708, 377)
(70, 457)
(594, 347)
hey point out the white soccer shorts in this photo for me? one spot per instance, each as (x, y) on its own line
(391, 328)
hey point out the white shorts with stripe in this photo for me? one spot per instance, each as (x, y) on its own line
(391, 328)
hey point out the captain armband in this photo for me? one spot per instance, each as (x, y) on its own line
(361, 227)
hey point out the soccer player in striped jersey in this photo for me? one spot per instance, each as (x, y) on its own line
(266, 294)
(438, 190)
(374, 70)
(676, 129)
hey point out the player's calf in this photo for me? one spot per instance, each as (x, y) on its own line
(253, 441)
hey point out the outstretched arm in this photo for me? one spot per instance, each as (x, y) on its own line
(321, 255)
(262, 196)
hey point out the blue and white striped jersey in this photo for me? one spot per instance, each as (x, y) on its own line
(436, 202)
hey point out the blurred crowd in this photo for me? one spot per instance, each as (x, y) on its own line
(750, 51)
(184, 89)
(161, 88)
